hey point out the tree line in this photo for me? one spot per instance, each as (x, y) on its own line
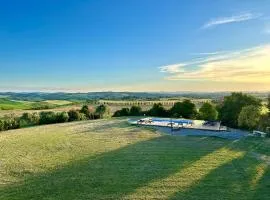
(184, 109)
(50, 117)
(237, 110)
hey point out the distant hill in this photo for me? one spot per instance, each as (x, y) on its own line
(40, 96)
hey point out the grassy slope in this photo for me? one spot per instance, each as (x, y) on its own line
(111, 160)
(6, 104)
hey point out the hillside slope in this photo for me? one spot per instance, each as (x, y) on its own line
(108, 159)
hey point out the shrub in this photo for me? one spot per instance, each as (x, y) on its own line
(47, 118)
(62, 117)
(135, 111)
(249, 117)
(103, 111)
(208, 112)
(185, 109)
(85, 110)
(2, 125)
(158, 110)
(232, 105)
(82, 116)
(74, 115)
(29, 119)
(264, 123)
(122, 112)
(11, 122)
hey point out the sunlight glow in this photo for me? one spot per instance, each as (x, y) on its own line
(187, 177)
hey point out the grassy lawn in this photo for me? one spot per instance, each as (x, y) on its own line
(108, 159)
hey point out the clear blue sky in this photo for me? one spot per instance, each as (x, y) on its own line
(97, 45)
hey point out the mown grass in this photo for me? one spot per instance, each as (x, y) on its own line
(108, 159)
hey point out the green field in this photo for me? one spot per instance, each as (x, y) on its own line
(6, 104)
(147, 103)
(108, 159)
(58, 102)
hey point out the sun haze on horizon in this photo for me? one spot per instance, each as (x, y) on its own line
(80, 46)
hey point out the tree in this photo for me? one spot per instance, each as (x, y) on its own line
(176, 110)
(47, 117)
(249, 117)
(29, 119)
(2, 125)
(232, 105)
(135, 111)
(11, 122)
(85, 110)
(158, 110)
(264, 123)
(268, 104)
(185, 109)
(103, 111)
(62, 117)
(74, 115)
(122, 112)
(208, 112)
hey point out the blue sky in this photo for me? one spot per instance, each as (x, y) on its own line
(135, 45)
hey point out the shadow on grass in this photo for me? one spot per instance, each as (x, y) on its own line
(115, 174)
(243, 178)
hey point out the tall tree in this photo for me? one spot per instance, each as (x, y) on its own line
(158, 110)
(232, 106)
(103, 111)
(249, 117)
(268, 104)
(208, 112)
(185, 109)
(135, 111)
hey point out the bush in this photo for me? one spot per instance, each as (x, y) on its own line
(82, 116)
(122, 112)
(2, 125)
(47, 118)
(208, 112)
(135, 111)
(29, 119)
(264, 123)
(185, 109)
(85, 110)
(103, 111)
(74, 115)
(62, 117)
(232, 105)
(11, 122)
(158, 110)
(249, 117)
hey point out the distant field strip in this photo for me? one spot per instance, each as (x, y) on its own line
(147, 103)
(58, 102)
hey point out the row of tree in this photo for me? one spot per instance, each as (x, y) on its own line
(237, 110)
(185, 109)
(32, 119)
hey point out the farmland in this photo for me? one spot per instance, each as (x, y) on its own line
(109, 159)
(18, 107)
